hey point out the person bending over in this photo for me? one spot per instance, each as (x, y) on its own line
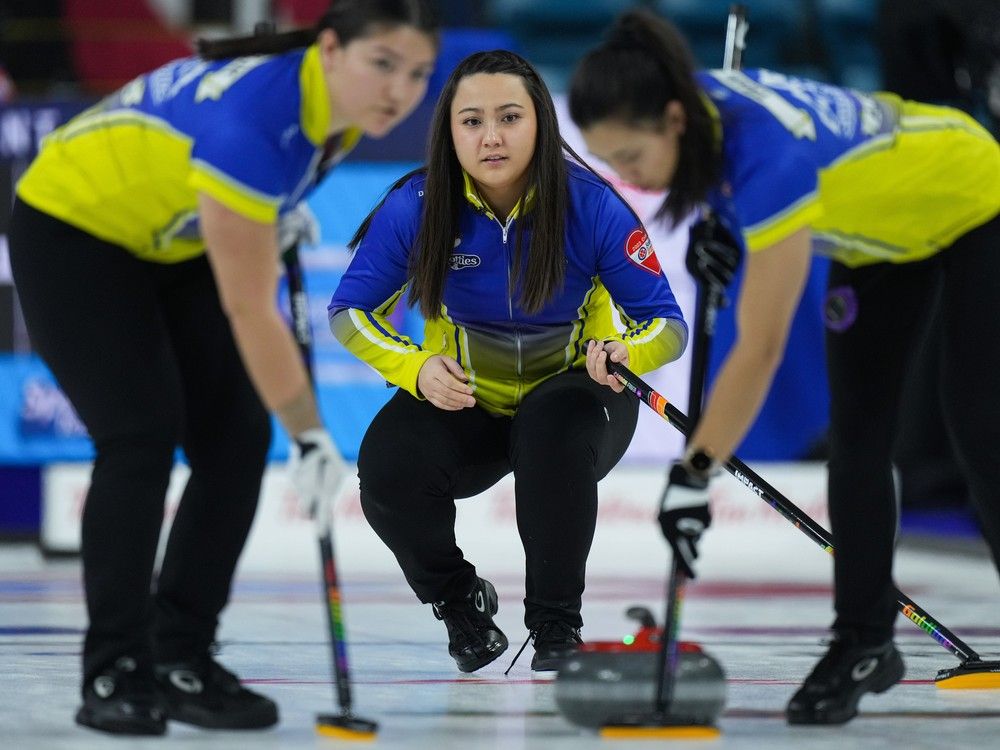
(904, 197)
(144, 247)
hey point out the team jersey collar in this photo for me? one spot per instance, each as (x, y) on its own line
(315, 112)
(472, 195)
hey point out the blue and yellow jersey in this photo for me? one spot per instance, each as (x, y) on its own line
(506, 351)
(876, 178)
(248, 131)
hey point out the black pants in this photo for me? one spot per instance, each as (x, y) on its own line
(880, 314)
(416, 459)
(145, 354)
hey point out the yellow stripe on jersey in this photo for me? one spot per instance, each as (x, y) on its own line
(499, 385)
(905, 196)
(579, 333)
(366, 329)
(651, 343)
(94, 119)
(315, 109)
(372, 339)
(804, 212)
(123, 169)
(472, 195)
(235, 195)
(95, 174)
(466, 352)
(899, 197)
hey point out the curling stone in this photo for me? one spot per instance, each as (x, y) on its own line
(614, 683)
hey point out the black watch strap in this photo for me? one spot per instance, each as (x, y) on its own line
(700, 461)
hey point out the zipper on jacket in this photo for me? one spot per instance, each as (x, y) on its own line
(518, 360)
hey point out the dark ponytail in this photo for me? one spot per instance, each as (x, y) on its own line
(642, 66)
(265, 41)
(349, 19)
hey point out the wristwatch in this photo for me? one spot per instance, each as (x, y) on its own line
(700, 461)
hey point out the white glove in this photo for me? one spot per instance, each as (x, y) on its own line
(297, 227)
(685, 514)
(316, 471)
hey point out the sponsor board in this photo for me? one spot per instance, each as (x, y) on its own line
(745, 534)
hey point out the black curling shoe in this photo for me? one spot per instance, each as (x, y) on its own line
(474, 640)
(830, 694)
(554, 641)
(123, 699)
(206, 695)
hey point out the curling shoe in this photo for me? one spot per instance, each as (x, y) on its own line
(123, 699)
(830, 694)
(555, 641)
(474, 640)
(202, 693)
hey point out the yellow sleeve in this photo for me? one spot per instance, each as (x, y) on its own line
(651, 343)
(371, 338)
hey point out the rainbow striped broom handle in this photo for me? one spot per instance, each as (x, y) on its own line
(789, 511)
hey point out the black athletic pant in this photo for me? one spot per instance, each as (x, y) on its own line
(876, 317)
(416, 459)
(145, 354)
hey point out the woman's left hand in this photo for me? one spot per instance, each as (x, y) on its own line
(597, 362)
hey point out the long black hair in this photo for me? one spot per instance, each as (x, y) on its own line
(642, 66)
(444, 196)
(350, 19)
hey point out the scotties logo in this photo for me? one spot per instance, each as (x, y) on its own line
(640, 251)
(458, 261)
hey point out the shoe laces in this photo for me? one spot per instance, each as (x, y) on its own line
(462, 620)
(548, 633)
(555, 633)
(518, 654)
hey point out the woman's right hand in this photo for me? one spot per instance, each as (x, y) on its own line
(443, 382)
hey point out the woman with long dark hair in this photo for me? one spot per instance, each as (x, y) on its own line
(904, 197)
(516, 256)
(144, 247)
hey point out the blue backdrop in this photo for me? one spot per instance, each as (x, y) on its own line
(38, 425)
